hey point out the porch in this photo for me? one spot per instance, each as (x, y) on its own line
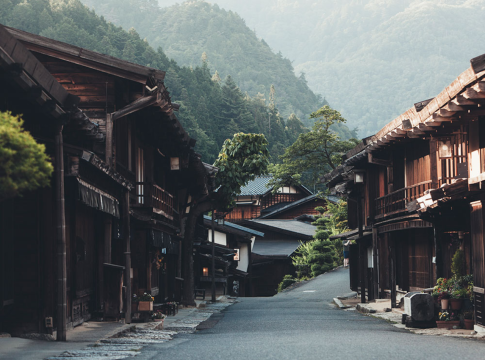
(159, 200)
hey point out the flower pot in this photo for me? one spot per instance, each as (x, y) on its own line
(444, 304)
(447, 324)
(145, 306)
(456, 304)
(469, 324)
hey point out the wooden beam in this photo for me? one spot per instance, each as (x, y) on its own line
(462, 101)
(451, 106)
(396, 134)
(472, 94)
(445, 113)
(423, 127)
(417, 131)
(478, 63)
(436, 117)
(422, 104)
(372, 160)
(432, 123)
(406, 124)
(412, 135)
(479, 86)
(135, 106)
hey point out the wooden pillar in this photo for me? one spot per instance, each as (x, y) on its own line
(362, 256)
(433, 160)
(392, 271)
(250, 268)
(61, 239)
(375, 270)
(109, 139)
(363, 269)
(126, 222)
(437, 233)
(390, 178)
(107, 238)
(213, 261)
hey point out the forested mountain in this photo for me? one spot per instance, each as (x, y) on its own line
(193, 29)
(211, 109)
(371, 59)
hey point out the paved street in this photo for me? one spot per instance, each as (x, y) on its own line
(304, 324)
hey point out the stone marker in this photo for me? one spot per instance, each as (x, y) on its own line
(419, 306)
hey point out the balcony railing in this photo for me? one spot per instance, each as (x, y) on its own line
(397, 200)
(151, 195)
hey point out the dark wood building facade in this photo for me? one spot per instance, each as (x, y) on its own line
(129, 175)
(257, 199)
(415, 194)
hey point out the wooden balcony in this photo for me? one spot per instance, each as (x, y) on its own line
(396, 201)
(153, 196)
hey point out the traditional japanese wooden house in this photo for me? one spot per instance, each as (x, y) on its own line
(420, 184)
(35, 280)
(233, 245)
(128, 161)
(271, 254)
(257, 199)
(300, 208)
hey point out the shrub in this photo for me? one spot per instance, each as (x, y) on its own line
(287, 281)
(24, 166)
(458, 263)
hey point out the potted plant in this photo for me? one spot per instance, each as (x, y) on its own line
(145, 302)
(158, 316)
(468, 320)
(447, 320)
(443, 298)
(457, 296)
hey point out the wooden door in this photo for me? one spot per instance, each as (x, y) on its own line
(84, 263)
(478, 260)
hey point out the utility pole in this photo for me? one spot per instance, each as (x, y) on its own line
(213, 262)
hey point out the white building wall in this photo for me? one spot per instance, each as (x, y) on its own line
(243, 258)
(220, 238)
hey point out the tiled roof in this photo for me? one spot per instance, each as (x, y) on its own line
(238, 227)
(294, 226)
(258, 186)
(289, 206)
(282, 248)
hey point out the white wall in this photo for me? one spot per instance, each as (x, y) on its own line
(243, 258)
(220, 238)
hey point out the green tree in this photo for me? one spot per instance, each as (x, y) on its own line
(337, 216)
(241, 159)
(234, 107)
(314, 153)
(318, 256)
(24, 166)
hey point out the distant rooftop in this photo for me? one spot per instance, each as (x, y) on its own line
(237, 227)
(293, 226)
(282, 207)
(259, 186)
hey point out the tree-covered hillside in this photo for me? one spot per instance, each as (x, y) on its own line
(371, 59)
(187, 31)
(211, 109)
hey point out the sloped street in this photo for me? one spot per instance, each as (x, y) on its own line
(304, 324)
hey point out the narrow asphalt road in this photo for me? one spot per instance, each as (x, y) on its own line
(304, 324)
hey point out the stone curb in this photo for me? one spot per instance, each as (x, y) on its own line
(340, 304)
(364, 309)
